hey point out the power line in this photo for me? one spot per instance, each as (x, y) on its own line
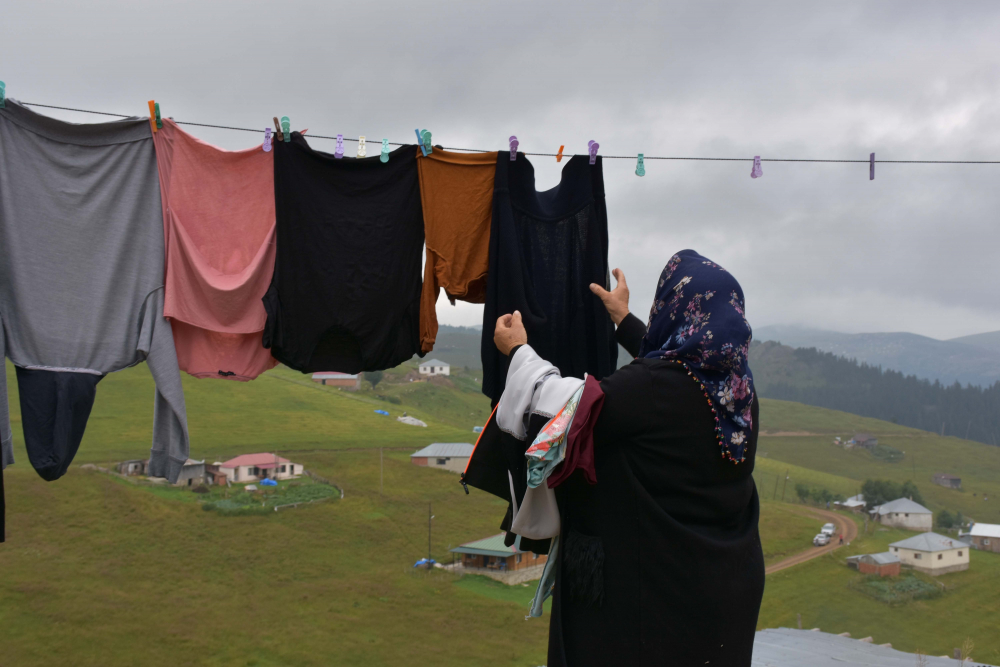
(606, 157)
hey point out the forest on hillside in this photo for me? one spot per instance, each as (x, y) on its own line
(806, 375)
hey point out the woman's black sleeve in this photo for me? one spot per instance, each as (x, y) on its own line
(629, 334)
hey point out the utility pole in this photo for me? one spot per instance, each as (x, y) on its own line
(783, 487)
(429, 517)
(381, 475)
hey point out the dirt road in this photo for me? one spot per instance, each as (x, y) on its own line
(844, 525)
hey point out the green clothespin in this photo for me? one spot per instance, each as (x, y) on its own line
(159, 120)
(3, 94)
(640, 168)
(286, 128)
(425, 138)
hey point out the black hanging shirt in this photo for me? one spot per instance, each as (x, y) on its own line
(545, 250)
(345, 295)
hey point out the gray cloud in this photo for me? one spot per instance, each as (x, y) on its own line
(815, 244)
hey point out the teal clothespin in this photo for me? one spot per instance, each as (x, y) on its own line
(384, 157)
(286, 128)
(3, 94)
(424, 141)
(640, 168)
(159, 120)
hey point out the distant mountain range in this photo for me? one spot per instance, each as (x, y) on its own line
(969, 360)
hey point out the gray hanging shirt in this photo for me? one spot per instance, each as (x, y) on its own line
(81, 262)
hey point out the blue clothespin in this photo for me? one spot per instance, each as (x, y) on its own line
(640, 168)
(267, 140)
(592, 146)
(756, 171)
(513, 148)
(871, 167)
(339, 153)
(286, 128)
(3, 94)
(384, 157)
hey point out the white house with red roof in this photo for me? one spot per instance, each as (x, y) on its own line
(253, 467)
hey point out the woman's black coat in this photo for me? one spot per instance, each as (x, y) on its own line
(676, 525)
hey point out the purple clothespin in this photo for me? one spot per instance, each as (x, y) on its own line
(592, 146)
(513, 148)
(756, 172)
(871, 167)
(267, 140)
(339, 153)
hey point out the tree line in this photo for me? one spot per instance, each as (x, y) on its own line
(826, 380)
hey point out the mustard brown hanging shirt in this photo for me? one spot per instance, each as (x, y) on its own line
(345, 295)
(456, 190)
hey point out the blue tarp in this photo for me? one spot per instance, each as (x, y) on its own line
(382, 412)
(425, 562)
(268, 482)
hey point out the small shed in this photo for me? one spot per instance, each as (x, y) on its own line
(932, 553)
(865, 440)
(884, 564)
(904, 513)
(946, 480)
(985, 537)
(435, 367)
(855, 503)
(492, 554)
(133, 467)
(192, 473)
(342, 380)
(453, 456)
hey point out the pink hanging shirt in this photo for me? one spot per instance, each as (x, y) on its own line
(218, 222)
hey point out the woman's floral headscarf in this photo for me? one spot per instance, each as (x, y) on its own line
(698, 320)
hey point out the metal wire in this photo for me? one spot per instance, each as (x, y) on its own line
(377, 142)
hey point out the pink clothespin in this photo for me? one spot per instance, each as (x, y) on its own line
(513, 148)
(593, 146)
(756, 171)
(267, 140)
(339, 153)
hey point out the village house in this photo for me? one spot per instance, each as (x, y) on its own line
(904, 513)
(254, 467)
(340, 380)
(949, 481)
(985, 537)
(932, 553)
(492, 558)
(885, 564)
(435, 367)
(453, 456)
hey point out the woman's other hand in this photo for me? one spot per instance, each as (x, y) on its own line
(510, 332)
(616, 301)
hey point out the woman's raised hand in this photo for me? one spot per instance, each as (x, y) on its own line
(510, 332)
(616, 301)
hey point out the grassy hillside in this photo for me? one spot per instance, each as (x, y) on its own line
(819, 591)
(803, 436)
(98, 571)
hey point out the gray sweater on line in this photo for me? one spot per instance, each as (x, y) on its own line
(82, 261)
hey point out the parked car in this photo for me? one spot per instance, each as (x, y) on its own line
(821, 540)
(828, 529)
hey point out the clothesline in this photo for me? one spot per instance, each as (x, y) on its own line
(607, 157)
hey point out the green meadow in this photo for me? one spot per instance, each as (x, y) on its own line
(100, 571)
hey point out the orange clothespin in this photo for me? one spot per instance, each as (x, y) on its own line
(152, 114)
(559, 154)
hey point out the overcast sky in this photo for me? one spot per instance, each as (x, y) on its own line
(916, 249)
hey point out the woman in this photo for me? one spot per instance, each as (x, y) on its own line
(669, 529)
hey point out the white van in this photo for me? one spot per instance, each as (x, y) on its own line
(828, 529)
